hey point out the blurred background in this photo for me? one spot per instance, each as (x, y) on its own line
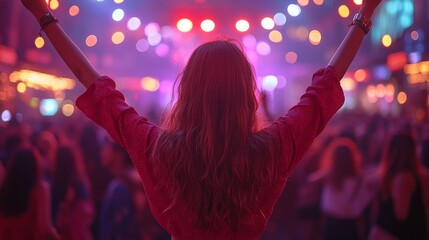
(143, 45)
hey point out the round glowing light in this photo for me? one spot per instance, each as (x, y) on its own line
(118, 15)
(48, 107)
(263, 48)
(358, 2)
(21, 87)
(74, 10)
(414, 35)
(344, 11)
(303, 3)
(133, 23)
(401, 98)
(54, 4)
(386, 40)
(380, 90)
(162, 50)
(315, 37)
(294, 10)
(291, 57)
(275, 36)
(207, 25)
(142, 45)
(318, 2)
(39, 42)
(279, 19)
(269, 83)
(360, 75)
(151, 28)
(249, 41)
(91, 40)
(242, 25)
(149, 84)
(390, 92)
(118, 37)
(347, 84)
(154, 38)
(6, 116)
(68, 109)
(118, 1)
(184, 25)
(267, 23)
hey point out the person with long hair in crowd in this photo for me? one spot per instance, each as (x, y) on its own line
(72, 208)
(25, 207)
(345, 194)
(401, 211)
(210, 172)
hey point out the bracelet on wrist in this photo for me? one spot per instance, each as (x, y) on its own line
(361, 22)
(45, 20)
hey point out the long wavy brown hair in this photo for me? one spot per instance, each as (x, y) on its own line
(215, 159)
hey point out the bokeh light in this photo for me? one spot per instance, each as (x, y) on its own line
(91, 40)
(39, 42)
(54, 4)
(162, 50)
(48, 107)
(142, 45)
(21, 87)
(303, 2)
(269, 83)
(207, 25)
(68, 108)
(149, 84)
(414, 35)
(242, 25)
(249, 41)
(347, 84)
(151, 28)
(279, 19)
(293, 10)
(360, 75)
(275, 36)
(291, 57)
(6, 116)
(267, 23)
(315, 37)
(344, 11)
(184, 25)
(386, 40)
(357, 2)
(118, 14)
(154, 38)
(263, 48)
(133, 23)
(74, 10)
(401, 98)
(118, 37)
(318, 2)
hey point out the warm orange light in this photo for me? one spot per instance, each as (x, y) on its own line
(386, 40)
(275, 36)
(358, 2)
(91, 40)
(315, 37)
(21, 87)
(303, 2)
(344, 11)
(39, 42)
(360, 75)
(401, 98)
(74, 10)
(150, 84)
(118, 37)
(318, 2)
(54, 4)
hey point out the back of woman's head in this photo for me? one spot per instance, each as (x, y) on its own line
(216, 90)
(216, 164)
(21, 175)
(342, 159)
(400, 156)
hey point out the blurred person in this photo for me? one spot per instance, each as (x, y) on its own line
(122, 206)
(210, 172)
(25, 210)
(345, 192)
(72, 207)
(46, 144)
(402, 201)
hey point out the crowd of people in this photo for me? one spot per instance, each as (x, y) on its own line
(363, 178)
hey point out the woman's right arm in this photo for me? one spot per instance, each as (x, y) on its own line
(66, 48)
(346, 52)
